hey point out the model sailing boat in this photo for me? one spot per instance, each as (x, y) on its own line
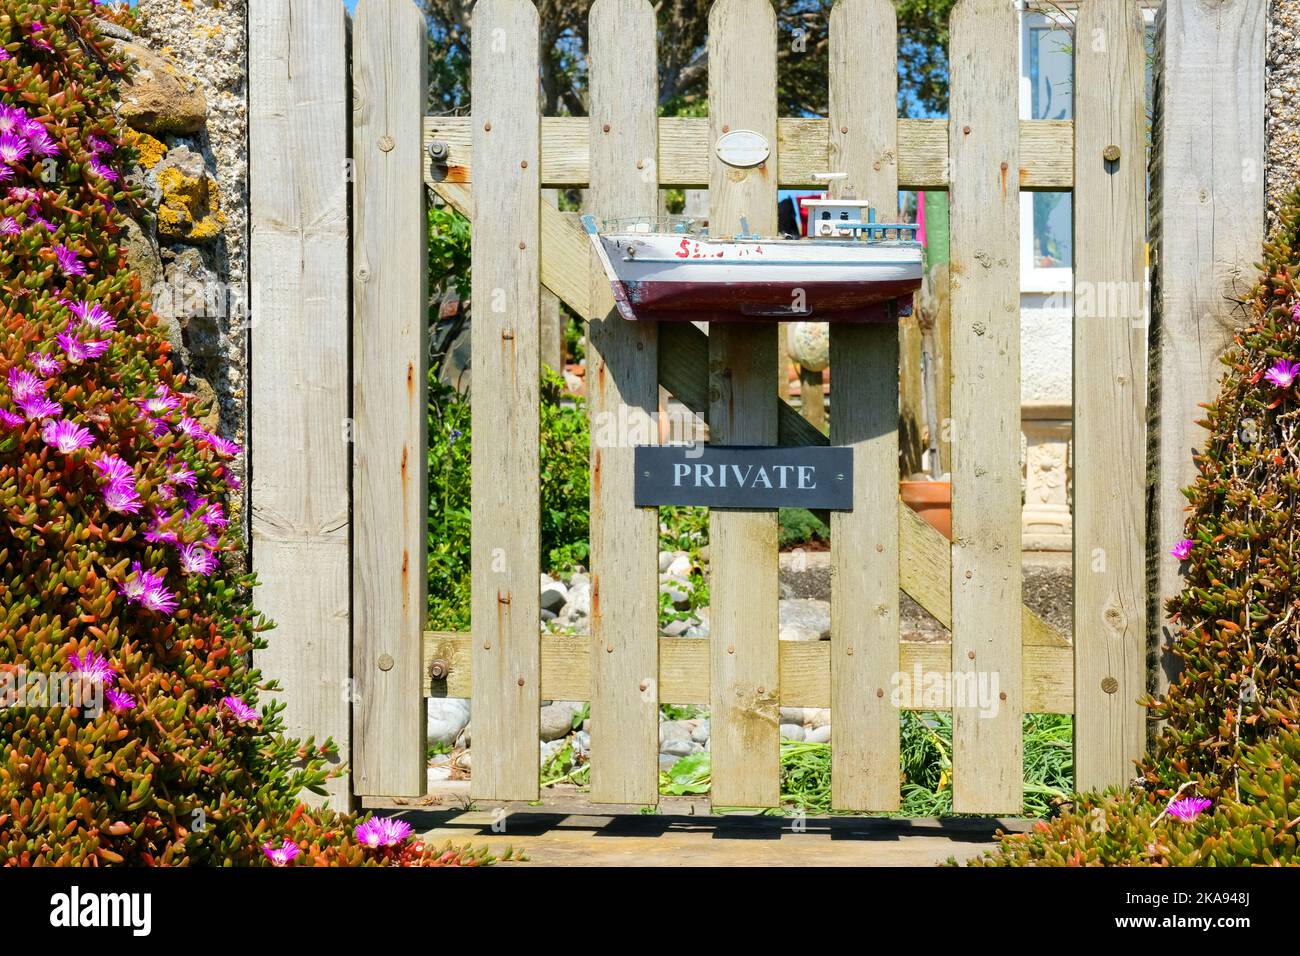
(852, 268)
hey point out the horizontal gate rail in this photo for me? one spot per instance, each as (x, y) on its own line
(684, 671)
(803, 148)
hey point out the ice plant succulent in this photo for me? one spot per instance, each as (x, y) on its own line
(105, 571)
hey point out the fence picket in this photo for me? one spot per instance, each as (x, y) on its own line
(745, 740)
(1207, 225)
(505, 484)
(864, 541)
(623, 399)
(299, 112)
(1109, 393)
(390, 362)
(985, 229)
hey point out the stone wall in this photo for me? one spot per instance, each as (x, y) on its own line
(187, 101)
(1282, 103)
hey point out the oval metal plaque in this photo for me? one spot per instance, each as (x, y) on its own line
(743, 148)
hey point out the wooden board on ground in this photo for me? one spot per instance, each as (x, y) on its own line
(982, 135)
(505, 485)
(745, 740)
(390, 363)
(623, 401)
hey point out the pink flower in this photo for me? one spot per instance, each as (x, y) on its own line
(13, 120)
(1295, 312)
(121, 496)
(45, 363)
(1283, 373)
(66, 436)
(102, 171)
(4, 55)
(9, 419)
(1188, 808)
(40, 407)
(283, 854)
(9, 225)
(181, 475)
(69, 261)
(223, 446)
(158, 598)
(36, 41)
(382, 831)
(1183, 549)
(78, 351)
(162, 401)
(6, 174)
(196, 559)
(38, 140)
(24, 385)
(138, 582)
(113, 468)
(93, 667)
(13, 149)
(190, 428)
(239, 710)
(120, 700)
(100, 146)
(93, 315)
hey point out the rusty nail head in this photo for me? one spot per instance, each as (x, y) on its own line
(487, 127)
(385, 662)
(487, 645)
(844, 129)
(1110, 685)
(880, 692)
(1110, 153)
(1002, 696)
(965, 129)
(523, 164)
(643, 685)
(521, 682)
(762, 691)
(731, 648)
(726, 129)
(523, 245)
(971, 655)
(609, 648)
(640, 164)
(605, 127)
(438, 670)
(386, 143)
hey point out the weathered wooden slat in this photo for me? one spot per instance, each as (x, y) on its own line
(987, 759)
(864, 541)
(1109, 394)
(299, 114)
(1207, 225)
(505, 487)
(684, 668)
(390, 361)
(925, 555)
(623, 401)
(1046, 151)
(745, 740)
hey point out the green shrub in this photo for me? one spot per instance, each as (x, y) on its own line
(114, 532)
(564, 494)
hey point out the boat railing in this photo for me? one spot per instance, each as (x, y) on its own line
(684, 225)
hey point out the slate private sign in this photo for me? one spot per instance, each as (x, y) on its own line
(719, 476)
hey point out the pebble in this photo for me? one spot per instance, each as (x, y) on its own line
(557, 719)
(554, 594)
(679, 748)
(818, 735)
(701, 732)
(446, 718)
(792, 732)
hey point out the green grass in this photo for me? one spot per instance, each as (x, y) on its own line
(925, 772)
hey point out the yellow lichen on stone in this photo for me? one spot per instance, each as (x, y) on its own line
(190, 210)
(149, 149)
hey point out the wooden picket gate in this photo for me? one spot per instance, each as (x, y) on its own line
(492, 166)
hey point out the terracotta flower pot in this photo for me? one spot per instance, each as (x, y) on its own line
(932, 500)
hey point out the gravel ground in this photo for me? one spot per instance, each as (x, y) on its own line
(1282, 88)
